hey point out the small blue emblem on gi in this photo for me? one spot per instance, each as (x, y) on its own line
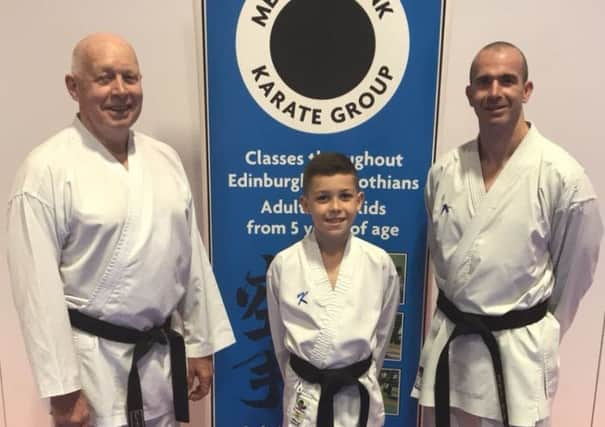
(445, 209)
(301, 297)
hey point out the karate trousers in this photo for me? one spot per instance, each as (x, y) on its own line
(163, 421)
(459, 418)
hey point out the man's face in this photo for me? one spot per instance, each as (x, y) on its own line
(497, 91)
(333, 202)
(108, 90)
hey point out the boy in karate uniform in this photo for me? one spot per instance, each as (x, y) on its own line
(332, 301)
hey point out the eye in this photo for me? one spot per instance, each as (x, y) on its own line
(131, 78)
(483, 81)
(346, 196)
(508, 80)
(104, 79)
(322, 198)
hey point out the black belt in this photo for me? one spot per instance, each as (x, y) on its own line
(143, 341)
(332, 381)
(466, 324)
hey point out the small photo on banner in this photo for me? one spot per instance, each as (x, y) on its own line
(400, 261)
(390, 384)
(394, 350)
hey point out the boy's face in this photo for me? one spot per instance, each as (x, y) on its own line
(333, 202)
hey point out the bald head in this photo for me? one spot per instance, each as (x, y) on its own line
(499, 46)
(85, 51)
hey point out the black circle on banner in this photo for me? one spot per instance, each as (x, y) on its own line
(322, 49)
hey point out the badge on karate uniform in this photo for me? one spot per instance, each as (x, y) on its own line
(301, 405)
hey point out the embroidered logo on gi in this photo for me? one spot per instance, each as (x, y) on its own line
(300, 404)
(301, 297)
(299, 410)
(445, 209)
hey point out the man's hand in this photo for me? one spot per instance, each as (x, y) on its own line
(199, 368)
(71, 410)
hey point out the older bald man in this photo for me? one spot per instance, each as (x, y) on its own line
(103, 250)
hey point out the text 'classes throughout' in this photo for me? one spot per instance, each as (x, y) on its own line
(265, 179)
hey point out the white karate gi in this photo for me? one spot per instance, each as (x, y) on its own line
(459, 418)
(534, 235)
(118, 244)
(332, 328)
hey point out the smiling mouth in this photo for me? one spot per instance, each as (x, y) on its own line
(119, 108)
(495, 108)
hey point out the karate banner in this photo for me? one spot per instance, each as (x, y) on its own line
(287, 80)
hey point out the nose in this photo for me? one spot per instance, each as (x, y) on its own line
(334, 204)
(494, 88)
(119, 87)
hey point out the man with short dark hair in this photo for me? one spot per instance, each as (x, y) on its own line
(514, 233)
(103, 250)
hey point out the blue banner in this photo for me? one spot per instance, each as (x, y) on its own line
(286, 80)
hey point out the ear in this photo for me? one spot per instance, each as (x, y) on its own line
(72, 87)
(468, 95)
(528, 88)
(360, 198)
(304, 202)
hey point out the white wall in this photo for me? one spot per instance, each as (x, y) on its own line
(36, 38)
(563, 44)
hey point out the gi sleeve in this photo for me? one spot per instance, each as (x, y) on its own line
(386, 321)
(206, 325)
(34, 255)
(576, 235)
(278, 331)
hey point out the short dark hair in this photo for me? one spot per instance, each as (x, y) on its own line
(328, 164)
(497, 45)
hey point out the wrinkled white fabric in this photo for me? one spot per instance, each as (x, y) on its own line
(120, 244)
(459, 418)
(534, 235)
(331, 328)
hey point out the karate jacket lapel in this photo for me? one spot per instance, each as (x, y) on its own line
(122, 252)
(487, 205)
(330, 302)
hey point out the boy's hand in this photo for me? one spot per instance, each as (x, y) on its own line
(71, 410)
(200, 368)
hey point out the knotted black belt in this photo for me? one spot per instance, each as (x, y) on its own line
(466, 324)
(143, 341)
(332, 381)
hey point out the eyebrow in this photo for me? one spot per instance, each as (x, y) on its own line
(496, 76)
(340, 190)
(111, 69)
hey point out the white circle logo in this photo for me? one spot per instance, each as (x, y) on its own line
(322, 66)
